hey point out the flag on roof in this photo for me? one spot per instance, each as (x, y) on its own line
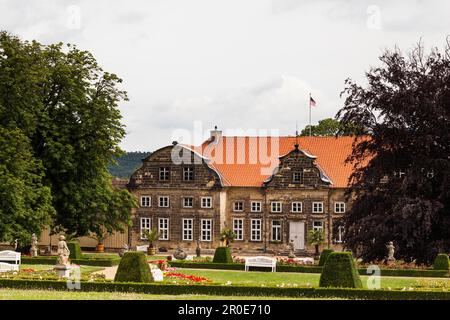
(312, 102)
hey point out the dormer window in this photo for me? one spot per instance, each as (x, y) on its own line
(188, 173)
(164, 173)
(297, 177)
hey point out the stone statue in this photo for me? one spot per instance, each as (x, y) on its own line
(124, 249)
(16, 244)
(391, 250)
(291, 250)
(63, 252)
(179, 254)
(34, 242)
(198, 249)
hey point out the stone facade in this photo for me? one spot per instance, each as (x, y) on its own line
(298, 197)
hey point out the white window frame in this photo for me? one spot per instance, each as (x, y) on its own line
(339, 207)
(317, 227)
(184, 204)
(188, 229)
(145, 224)
(238, 202)
(318, 203)
(299, 205)
(238, 228)
(186, 173)
(165, 172)
(340, 234)
(163, 228)
(254, 204)
(159, 201)
(276, 231)
(203, 204)
(144, 204)
(206, 230)
(280, 206)
(300, 177)
(256, 233)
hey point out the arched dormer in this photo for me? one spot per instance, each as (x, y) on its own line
(298, 169)
(175, 166)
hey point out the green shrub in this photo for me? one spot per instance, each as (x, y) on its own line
(340, 271)
(104, 262)
(133, 268)
(441, 262)
(324, 255)
(75, 250)
(222, 255)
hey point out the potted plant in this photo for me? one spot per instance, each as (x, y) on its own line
(100, 236)
(316, 238)
(151, 236)
(227, 236)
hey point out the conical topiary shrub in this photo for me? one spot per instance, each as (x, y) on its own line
(441, 262)
(340, 271)
(133, 267)
(222, 255)
(324, 255)
(75, 250)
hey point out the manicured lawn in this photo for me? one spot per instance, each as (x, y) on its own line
(39, 267)
(303, 279)
(15, 294)
(100, 255)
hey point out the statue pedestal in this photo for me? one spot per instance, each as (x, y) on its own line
(63, 270)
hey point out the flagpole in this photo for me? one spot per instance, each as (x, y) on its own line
(310, 134)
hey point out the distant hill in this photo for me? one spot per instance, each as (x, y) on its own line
(127, 164)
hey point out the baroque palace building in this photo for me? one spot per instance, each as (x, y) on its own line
(269, 190)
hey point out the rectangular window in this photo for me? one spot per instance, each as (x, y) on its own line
(256, 206)
(206, 229)
(275, 206)
(339, 207)
(163, 202)
(188, 202)
(146, 201)
(238, 228)
(188, 225)
(206, 202)
(317, 225)
(297, 177)
(255, 230)
(164, 174)
(238, 206)
(276, 230)
(163, 228)
(146, 224)
(317, 207)
(296, 206)
(188, 174)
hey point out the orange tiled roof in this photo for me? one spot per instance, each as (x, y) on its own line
(238, 160)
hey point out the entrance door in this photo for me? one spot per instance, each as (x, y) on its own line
(297, 234)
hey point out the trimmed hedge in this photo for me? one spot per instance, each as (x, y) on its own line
(441, 262)
(340, 271)
(100, 262)
(183, 289)
(222, 255)
(75, 250)
(310, 269)
(133, 268)
(324, 255)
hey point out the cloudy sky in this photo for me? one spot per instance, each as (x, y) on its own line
(245, 65)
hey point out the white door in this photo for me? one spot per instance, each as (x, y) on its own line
(297, 234)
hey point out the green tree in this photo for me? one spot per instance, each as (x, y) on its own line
(67, 106)
(25, 203)
(330, 127)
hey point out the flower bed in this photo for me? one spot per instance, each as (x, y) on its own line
(49, 274)
(183, 276)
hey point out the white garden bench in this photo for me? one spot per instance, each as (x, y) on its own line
(9, 256)
(260, 262)
(142, 248)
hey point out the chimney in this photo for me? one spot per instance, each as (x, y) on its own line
(216, 135)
